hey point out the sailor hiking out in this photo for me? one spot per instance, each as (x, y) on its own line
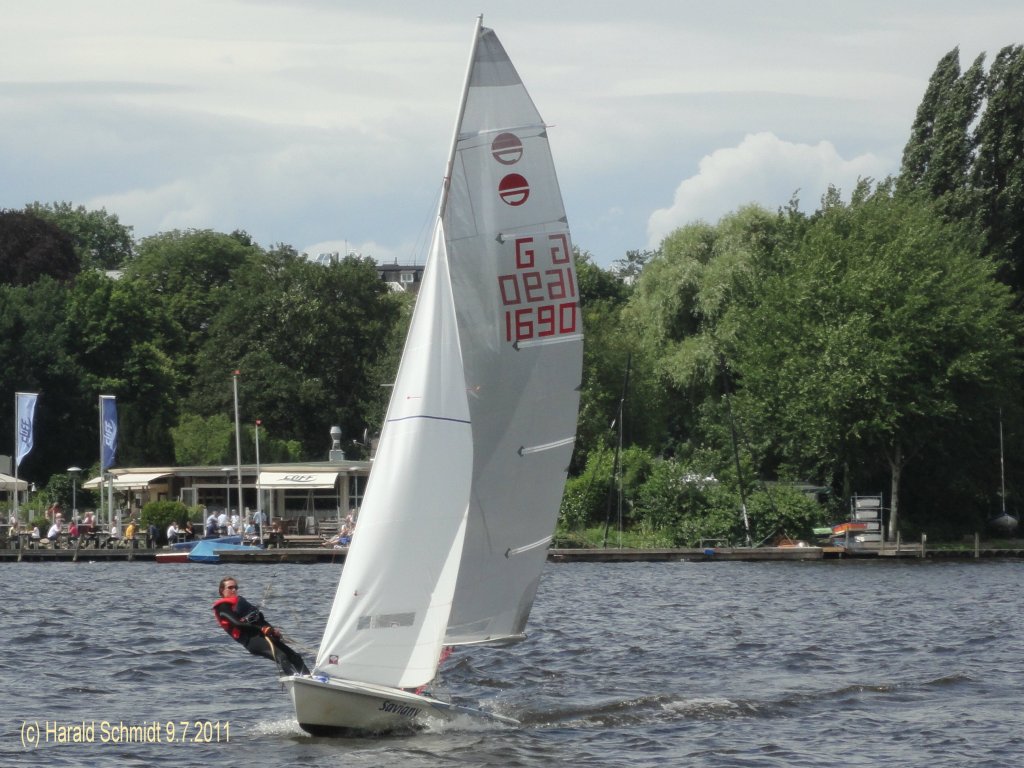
(246, 624)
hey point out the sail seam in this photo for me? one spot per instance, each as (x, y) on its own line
(428, 416)
(503, 237)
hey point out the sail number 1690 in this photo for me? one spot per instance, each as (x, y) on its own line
(540, 299)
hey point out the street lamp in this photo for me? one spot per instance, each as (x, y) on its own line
(73, 471)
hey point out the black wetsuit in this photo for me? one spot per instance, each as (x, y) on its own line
(245, 623)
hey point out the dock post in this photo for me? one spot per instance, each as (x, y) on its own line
(977, 545)
(924, 543)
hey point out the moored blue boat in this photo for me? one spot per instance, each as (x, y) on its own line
(205, 550)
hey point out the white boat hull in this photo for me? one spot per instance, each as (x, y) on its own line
(339, 707)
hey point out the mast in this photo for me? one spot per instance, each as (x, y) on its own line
(458, 122)
(1002, 467)
(617, 466)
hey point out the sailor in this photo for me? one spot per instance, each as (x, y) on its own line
(245, 623)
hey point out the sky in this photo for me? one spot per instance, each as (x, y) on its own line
(325, 124)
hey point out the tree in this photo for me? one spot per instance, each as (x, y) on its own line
(885, 333)
(678, 312)
(187, 276)
(31, 247)
(629, 267)
(306, 338)
(100, 240)
(199, 441)
(999, 168)
(36, 356)
(937, 158)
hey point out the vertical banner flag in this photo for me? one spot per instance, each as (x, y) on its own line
(25, 426)
(108, 427)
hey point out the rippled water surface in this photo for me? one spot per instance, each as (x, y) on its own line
(698, 664)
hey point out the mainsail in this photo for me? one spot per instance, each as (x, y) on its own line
(464, 494)
(517, 304)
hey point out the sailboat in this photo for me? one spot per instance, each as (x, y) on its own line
(461, 505)
(1004, 522)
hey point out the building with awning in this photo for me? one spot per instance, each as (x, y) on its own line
(299, 495)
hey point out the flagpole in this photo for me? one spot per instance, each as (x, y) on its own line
(16, 462)
(99, 417)
(259, 488)
(24, 433)
(108, 449)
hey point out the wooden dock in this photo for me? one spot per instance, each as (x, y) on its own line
(308, 554)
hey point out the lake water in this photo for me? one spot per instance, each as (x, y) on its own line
(701, 664)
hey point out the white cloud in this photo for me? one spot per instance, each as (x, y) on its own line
(762, 169)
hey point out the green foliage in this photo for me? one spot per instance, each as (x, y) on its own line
(162, 513)
(585, 498)
(100, 240)
(186, 276)
(937, 159)
(783, 510)
(998, 171)
(32, 247)
(669, 495)
(199, 441)
(886, 332)
(59, 490)
(306, 338)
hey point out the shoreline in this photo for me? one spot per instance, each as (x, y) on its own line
(607, 555)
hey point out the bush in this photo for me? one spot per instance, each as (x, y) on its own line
(162, 513)
(784, 510)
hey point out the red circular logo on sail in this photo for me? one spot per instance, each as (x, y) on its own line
(514, 189)
(507, 149)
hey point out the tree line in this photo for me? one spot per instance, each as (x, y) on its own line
(313, 343)
(765, 363)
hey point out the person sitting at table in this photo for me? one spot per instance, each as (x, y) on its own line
(172, 532)
(35, 533)
(189, 532)
(131, 530)
(54, 533)
(250, 532)
(73, 530)
(89, 519)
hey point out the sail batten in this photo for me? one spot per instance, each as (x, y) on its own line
(515, 129)
(527, 450)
